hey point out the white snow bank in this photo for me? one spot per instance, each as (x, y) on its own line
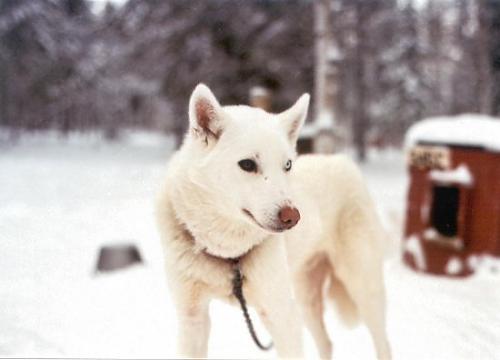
(60, 203)
(484, 265)
(146, 138)
(466, 129)
(461, 175)
(130, 137)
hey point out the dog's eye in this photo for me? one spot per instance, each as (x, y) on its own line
(288, 165)
(248, 165)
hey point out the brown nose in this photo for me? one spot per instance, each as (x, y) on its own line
(289, 217)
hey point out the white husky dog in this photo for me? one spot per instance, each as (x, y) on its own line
(236, 190)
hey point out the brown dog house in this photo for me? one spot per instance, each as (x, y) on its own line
(453, 208)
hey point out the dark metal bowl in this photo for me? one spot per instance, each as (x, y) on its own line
(115, 257)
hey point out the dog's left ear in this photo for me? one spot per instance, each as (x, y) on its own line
(205, 114)
(293, 118)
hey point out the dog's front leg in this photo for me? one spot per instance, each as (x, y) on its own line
(193, 325)
(271, 293)
(282, 320)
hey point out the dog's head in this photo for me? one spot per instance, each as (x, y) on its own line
(243, 157)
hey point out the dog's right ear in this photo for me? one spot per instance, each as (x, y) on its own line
(205, 114)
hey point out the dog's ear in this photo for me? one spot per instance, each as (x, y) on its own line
(293, 118)
(205, 114)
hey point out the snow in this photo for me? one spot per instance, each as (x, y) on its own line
(308, 131)
(413, 247)
(484, 264)
(98, 6)
(334, 54)
(64, 198)
(465, 129)
(461, 175)
(454, 266)
(324, 121)
(258, 91)
(431, 234)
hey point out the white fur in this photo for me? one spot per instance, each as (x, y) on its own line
(338, 240)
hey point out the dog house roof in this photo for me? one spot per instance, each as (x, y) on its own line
(470, 130)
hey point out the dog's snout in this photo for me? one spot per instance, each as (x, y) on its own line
(289, 217)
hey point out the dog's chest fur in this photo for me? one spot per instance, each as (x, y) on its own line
(186, 255)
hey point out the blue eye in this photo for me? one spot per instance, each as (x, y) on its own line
(288, 165)
(248, 165)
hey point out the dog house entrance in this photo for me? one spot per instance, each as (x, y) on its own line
(444, 214)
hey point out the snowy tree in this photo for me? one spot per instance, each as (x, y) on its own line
(64, 67)
(40, 44)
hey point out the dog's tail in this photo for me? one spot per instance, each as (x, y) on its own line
(345, 306)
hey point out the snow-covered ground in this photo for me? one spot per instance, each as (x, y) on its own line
(60, 200)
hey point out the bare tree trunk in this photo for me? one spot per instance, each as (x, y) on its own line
(460, 103)
(436, 39)
(491, 11)
(360, 119)
(321, 23)
(482, 61)
(4, 92)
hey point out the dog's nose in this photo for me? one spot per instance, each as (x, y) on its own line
(289, 217)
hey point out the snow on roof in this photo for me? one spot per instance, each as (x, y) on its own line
(464, 130)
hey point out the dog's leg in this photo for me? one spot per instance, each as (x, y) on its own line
(309, 283)
(281, 317)
(366, 288)
(193, 324)
(193, 332)
(372, 311)
(270, 291)
(358, 263)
